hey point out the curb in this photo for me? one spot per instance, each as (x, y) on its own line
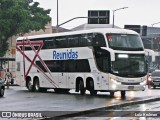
(85, 112)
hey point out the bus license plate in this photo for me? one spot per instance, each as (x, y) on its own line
(130, 87)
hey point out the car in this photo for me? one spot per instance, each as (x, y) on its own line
(154, 79)
(2, 87)
(151, 70)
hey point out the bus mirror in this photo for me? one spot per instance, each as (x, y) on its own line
(149, 52)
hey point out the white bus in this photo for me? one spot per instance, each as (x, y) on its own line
(103, 59)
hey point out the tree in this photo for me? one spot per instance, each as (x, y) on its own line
(20, 17)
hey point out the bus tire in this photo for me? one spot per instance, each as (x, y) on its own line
(111, 94)
(123, 94)
(1, 92)
(91, 88)
(29, 86)
(81, 87)
(37, 85)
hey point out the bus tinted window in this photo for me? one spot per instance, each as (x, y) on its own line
(66, 65)
(99, 40)
(82, 66)
(79, 40)
(86, 40)
(48, 43)
(61, 42)
(73, 40)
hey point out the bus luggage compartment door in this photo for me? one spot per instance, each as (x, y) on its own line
(62, 80)
(104, 81)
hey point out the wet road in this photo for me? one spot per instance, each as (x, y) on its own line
(148, 111)
(20, 99)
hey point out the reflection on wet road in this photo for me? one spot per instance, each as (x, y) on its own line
(148, 111)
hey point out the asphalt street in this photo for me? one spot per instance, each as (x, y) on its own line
(20, 99)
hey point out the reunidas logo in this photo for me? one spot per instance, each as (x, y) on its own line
(69, 54)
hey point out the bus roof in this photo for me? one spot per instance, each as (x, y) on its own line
(102, 30)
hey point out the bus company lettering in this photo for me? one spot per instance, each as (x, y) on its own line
(69, 54)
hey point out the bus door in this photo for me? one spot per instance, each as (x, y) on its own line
(102, 58)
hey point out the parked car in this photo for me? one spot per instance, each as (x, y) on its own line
(154, 79)
(2, 87)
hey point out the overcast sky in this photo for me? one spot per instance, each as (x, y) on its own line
(139, 12)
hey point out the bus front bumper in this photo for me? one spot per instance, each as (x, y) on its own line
(117, 86)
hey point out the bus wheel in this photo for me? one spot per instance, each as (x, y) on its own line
(30, 86)
(111, 94)
(37, 85)
(1, 92)
(123, 94)
(91, 88)
(81, 87)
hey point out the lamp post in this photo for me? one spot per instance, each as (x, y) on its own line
(155, 23)
(115, 11)
(57, 16)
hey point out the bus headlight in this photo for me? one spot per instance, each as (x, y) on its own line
(113, 87)
(112, 79)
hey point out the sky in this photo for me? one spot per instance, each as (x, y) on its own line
(139, 12)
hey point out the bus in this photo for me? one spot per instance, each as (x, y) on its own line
(104, 59)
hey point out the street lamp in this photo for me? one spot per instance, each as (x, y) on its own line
(115, 11)
(155, 23)
(57, 16)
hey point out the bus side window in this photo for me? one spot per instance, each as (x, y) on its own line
(73, 41)
(62, 42)
(55, 43)
(86, 40)
(98, 40)
(70, 66)
(49, 43)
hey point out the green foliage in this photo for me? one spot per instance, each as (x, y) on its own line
(20, 17)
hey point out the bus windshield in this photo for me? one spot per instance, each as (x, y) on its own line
(129, 65)
(125, 42)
